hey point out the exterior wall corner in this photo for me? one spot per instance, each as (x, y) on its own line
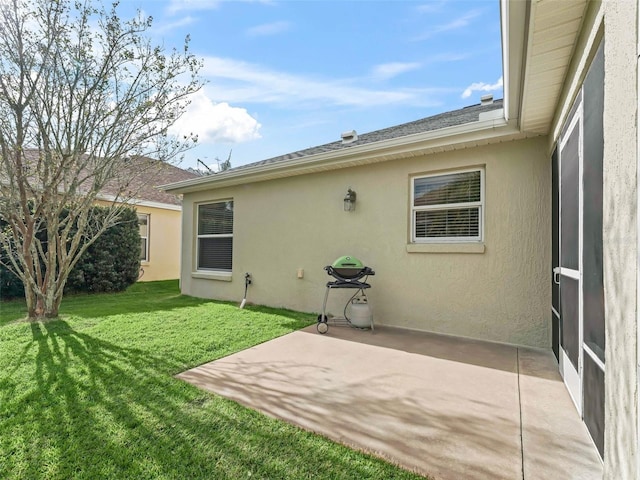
(620, 239)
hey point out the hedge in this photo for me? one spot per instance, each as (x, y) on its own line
(110, 264)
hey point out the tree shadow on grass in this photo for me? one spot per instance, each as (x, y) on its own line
(99, 410)
(149, 297)
(96, 307)
(87, 307)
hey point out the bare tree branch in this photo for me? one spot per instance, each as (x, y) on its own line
(82, 92)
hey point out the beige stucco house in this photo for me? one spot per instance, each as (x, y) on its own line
(511, 221)
(160, 240)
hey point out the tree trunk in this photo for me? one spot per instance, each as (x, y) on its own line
(30, 297)
(45, 305)
(78, 102)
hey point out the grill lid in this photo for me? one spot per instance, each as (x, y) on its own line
(348, 262)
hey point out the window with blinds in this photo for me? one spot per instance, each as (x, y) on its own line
(448, 207)
(215, 236)
(143, 225)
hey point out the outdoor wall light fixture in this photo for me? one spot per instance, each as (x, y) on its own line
(350, 201)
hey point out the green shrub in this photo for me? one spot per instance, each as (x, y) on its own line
(110, 264)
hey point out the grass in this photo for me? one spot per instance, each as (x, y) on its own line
(92, 395)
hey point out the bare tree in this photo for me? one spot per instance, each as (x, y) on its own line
(82, 92)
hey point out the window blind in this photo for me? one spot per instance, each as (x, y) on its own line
(143, 249)
(447, 189)
(215, 236)
(143, 225)
(215, 253)
(462, 222)
(215, 218)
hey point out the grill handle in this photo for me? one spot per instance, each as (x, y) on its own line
(365, 270)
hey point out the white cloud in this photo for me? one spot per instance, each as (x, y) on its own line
(189, 5)
(216, 122)
(242, 82)
(430, 7)
(386, 71)
(268, 29)
(169, 26)
(481, 87)
(455, 24)
(192, 5)
(447, 57)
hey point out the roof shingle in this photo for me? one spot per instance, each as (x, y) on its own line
(436, 122)
(156, 173)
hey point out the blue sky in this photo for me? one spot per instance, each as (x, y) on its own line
(287, 75)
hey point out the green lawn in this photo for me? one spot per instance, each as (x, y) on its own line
(92, 395)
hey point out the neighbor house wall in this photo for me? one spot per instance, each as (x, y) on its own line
(164, 244)
(283, 225)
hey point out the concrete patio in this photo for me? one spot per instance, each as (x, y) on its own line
(445, 407)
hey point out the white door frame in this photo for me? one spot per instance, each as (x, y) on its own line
(572, 376)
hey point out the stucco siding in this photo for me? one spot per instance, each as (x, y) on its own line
(620, 239)
(164, 244)
(296, 223)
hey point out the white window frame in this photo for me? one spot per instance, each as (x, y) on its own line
(449, 206)
(222, 235)
(146, 237)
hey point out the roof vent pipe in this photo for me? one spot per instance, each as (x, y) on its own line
(486, 99)
(349, 137)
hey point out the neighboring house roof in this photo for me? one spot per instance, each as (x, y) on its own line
(156, 173)
(139, 178)
(473, 125)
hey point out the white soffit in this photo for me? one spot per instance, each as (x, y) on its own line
(554, 26)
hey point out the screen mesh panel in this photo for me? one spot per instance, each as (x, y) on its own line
(569, 208)
(570, 319)
(593, 385)
(592, 259)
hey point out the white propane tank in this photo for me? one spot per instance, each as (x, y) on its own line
(361, 315)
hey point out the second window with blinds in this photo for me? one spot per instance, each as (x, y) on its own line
(143, 225)
(448, 207)
(215, 236)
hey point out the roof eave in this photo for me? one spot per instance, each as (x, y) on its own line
(514, 25)
(139, 202)
(411, 145)
(539, 39)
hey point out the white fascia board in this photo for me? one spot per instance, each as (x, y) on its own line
(504, 35)
(514, 22)
(142, 203)
(400, 147)
(164, 206)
